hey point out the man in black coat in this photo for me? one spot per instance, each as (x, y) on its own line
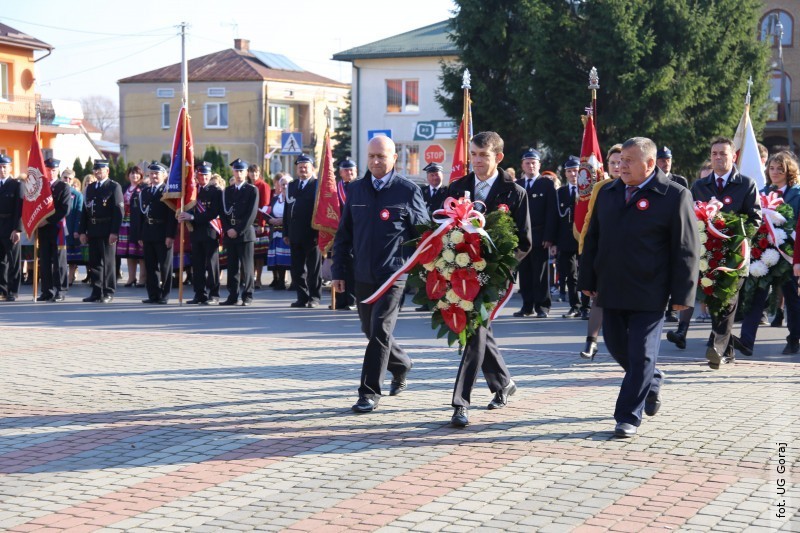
(567, 246)
(433, 193)
(641, 248)
(206, 227)
(153, 224)
(664, 162)
(380, 215)
(738, 194)
(534, 282)
(239, 210)
(103, 208)
(493, 186)
(10, 229)
(300, 236)
(53, 258)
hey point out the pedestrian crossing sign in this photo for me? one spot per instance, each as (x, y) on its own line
(292, 143)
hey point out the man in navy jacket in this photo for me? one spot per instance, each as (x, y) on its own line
(379, 216)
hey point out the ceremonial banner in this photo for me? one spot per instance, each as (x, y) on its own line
(591, 172)
(37, 202)
(180, 182)
(460, 156)
(326, 205)
(748, 159)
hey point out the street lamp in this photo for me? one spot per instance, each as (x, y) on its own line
(777, 32)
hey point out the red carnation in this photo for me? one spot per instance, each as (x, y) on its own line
(756, 253)
(711, 274)
(763, 243)
(719, 223)
(713, 264)
(455, 318)
(503, 207)
(718, 255)
(434, 248)
(709, 245)
(708, 290)
(471, 246)
(465, 283)
(436, 285)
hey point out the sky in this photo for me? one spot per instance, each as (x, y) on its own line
(99, 42)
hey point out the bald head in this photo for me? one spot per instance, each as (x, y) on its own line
(381, 156)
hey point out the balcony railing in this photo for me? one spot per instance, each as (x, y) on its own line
(22, 110)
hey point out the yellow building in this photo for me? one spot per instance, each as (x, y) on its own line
(18, 100)
(240, 102)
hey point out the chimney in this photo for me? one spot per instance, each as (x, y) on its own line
(242, 44)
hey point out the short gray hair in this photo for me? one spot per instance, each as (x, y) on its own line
(647, 146)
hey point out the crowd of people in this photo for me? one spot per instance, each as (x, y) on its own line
(633, 267)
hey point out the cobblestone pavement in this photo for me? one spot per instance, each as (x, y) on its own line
(124, 430)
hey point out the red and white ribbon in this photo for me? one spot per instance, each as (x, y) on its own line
(502, 303)
(705, 212)
(769, 205)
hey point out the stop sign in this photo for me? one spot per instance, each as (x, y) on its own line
(434, 154)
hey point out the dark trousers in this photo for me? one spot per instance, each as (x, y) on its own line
(53, 265)
(534, 281)
(567, 264)
(205, 268)
(306, 265)
(240, 256)
(102, 266)
(382, 353)
(722, 326)
(634, 338)
(480, 353)
(752, 319)
(10, 267)
(158, 265)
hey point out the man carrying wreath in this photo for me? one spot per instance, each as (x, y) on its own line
(494, 187)
(641, 247)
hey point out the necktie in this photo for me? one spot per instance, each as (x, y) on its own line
(572, 193)
(630, 190)
(528, 183)
(480, 190)
(378, 184)
(720, 184)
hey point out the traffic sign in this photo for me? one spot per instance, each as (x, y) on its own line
(376, 133)
(435, 153)
(291, 143)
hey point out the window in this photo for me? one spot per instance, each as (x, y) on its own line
(4, 81)
(778, 112)
(407, 159)
(402, 96)
(279, 117)
(216, 92)
(216, 115)
(768, 27)
(165, 93)
(165, 116)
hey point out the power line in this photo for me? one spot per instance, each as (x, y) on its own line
(137, 34)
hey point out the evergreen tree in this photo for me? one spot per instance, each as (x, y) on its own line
(218, 164)
(120, 169)
(343, 135)
(77, 168)
(88, 167)
(675, 71)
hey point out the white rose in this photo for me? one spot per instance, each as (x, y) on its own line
(452, 297)
(466, 305)
(442, 304)
(703, 238)
(705, 282)
(703, 265)
(449, 255)
(479, 265)
(445, 241)
(770, 257)
(462, 259)
(758, 269)
(447, 272)
(440, 263)
(701, 226)
(456, 236)
(429, 266)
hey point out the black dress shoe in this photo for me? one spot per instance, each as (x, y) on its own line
(195, 301)
(44, 298)
(541, 314)
(162, 301)
(671, 316)
(590, 350)
(130, 283)
(584, 314)
(624, 430)
(106, 299)
(60, 298)
(11, 298)
(230, 301)
(92, 298)
(652, 404)
(365, 405)
(399, 383)
(501, 397)
(296, 304)
(572, 313)
(149, 301)
(460, 418)
(521, 314)
(792, 346)
(741, 347)
(246, 302)
(777, 322)
(678, 337)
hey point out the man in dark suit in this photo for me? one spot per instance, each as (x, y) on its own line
(566, 245)
(738, 194)
(99, 228)
(664, 162)
(153, 224)
(204, 217)
(239, 210)
(348, 173)
(641, 247)
(380, 215)
(10, 229)
(53, 257)
(433, 193)
(493, 186)
(534, 283)
(301, 237)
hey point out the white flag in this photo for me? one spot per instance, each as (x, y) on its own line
(748, 159)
